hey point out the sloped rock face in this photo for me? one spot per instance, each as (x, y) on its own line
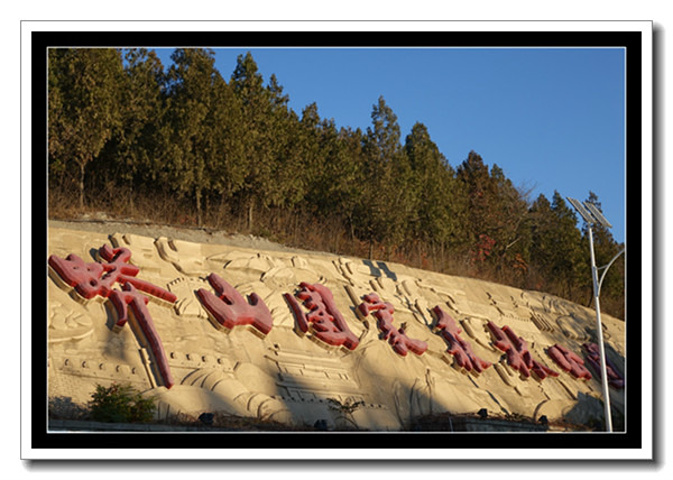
(335, 355)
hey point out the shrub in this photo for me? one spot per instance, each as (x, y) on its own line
(120, 404)
(345, 409)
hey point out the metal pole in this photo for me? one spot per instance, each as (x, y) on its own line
(600, 282)
(599, 328)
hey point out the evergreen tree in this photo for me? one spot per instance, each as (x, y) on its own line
(256, 142)
(289, 145)
(481, 216)
(387, 205)
(315, 151)
(194, 156)
(510, 227)
(556, 247)
(439, 209)
(228, 173)
(496, 216)
(336, 187)
(566, 250)
(84, 99)
(130, 158)
(542, 228)
(190, 133)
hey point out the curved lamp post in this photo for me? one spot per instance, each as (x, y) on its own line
(592, 215)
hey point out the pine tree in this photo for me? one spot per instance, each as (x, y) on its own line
(481, 214)
(343, 176)
(288, 143)
(229, 171)
(497, 213)
(567, 247)
(131, 158)
(194, 156)
(510, 227)
(313, 143)
(386, 200)
(84, 99)
(439, 210)
(557, 250)
(257, 144)
(542, 227)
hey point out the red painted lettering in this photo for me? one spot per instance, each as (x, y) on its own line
(518, 355)
(593, 357)
(230, 309)
(383, 312)
(569, 361)
(97, 279)
(459, 348)
(323, 319)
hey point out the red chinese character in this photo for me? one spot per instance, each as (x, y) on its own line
(518, 355)
(383, 312)
(324, 319)
(593, 356)
(569, 361)
(230, 309)
(92, 279)
(138, 303)
(459, 348)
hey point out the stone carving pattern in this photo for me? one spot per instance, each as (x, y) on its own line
(97, 279)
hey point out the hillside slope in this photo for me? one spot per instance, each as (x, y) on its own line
(273, 358)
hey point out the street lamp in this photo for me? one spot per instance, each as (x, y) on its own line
(592, 215)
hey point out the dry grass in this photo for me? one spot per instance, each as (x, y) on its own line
(297, 230)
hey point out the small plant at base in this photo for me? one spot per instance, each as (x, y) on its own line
(120, 404)
(346, 409)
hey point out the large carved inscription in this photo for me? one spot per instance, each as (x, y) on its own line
(230, 309)
(98, 279)
(459, 348)
(319, 315)
(396, 337)
(519, 356)
(324, 318)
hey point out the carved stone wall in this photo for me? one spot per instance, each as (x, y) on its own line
(297, 376)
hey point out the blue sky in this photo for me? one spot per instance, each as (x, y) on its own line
(552, 119)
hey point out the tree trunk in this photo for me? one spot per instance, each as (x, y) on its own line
(198, 207)
(81, 185)
(351, 229)
(251, 206)
(223, 212)
(206, 206)
(131, 198)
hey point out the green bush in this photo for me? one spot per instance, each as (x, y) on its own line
(120, 404)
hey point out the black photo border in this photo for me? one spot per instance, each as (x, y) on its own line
(213, 443)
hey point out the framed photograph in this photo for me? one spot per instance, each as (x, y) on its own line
(337, 240)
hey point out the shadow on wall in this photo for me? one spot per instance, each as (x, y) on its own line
(306, 401)
(380, 270)
(589, 411)
(345, 409)
(65, 408)
(323, 392)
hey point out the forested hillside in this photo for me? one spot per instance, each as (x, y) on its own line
(184, 145)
